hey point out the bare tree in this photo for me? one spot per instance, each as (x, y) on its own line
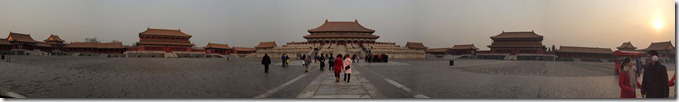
(115, 41)
(94, 40)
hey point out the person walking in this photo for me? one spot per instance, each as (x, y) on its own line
(639, 66)
(654, 83)
(266, 60)
(287, 60)
(283, 60)
(322, 60)
(338, 67)
(347, 68)
(331, 61)
(307, 62)
(627, 80)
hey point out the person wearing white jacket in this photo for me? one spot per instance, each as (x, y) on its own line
(347, 68)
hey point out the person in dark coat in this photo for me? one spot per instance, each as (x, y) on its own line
(322, 60)
(283, 60)
(654, 83)
(331, 61)
(386, 58)
(266, 60)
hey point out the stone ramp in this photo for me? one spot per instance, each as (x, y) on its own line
(324, 86)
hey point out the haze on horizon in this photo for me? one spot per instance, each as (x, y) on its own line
(436, 23)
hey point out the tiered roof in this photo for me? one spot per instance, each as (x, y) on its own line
(627, 45)
(164, 43)
(18, 37)
(271, 44)
(585, 50)
(341, 26)
(415, 45)
(660, 46)
(111, 45)
(53, 38)
(530, 34)
(164, 32)
(217, 46)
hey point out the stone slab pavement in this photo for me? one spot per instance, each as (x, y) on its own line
(324, 86)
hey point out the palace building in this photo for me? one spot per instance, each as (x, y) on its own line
(266, 45)
(517, 46)
(165, 43)
(341, 32)
(666, 51)
(517, 42)
(589, 54)
(416, 46)
(21, 41)
(341, 37)
(215, 48)
(166, 40)
(465, 49)
(95, 47)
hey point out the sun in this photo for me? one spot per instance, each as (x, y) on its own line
(657, 24)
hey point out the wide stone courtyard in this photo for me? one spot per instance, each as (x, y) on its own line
(94, 77)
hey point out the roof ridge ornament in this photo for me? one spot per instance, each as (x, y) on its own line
(326, 20)
(356, 20)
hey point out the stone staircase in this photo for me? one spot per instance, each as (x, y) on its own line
(76, 54)
(510, 57)
(171, 55)
(103, 56)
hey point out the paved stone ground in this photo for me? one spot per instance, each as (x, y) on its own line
(483, 79)
(325, 87)
(93, 77)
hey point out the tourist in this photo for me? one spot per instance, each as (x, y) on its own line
(307, 60)
(374, 58)
(379, 57)
(347, 68)
(353, 57)
(367, 58)
(655, 83)
(639, 66)
(330, 62)
(338, 67)
(287, 60)
(386, 58)
(627, 81)
(266, 61)
(283, 60)
(322, 60)
(356, 57)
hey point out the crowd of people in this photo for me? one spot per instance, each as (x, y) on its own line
(338, 64)
(376, 58)
(654, 83)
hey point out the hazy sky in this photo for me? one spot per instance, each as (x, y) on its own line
(436, 23)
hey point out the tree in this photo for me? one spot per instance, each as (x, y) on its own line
(94, 40)
(115, 41)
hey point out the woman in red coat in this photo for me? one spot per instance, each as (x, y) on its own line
(628, 84)
(338, 67)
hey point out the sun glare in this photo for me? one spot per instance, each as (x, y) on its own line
(657, 24)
